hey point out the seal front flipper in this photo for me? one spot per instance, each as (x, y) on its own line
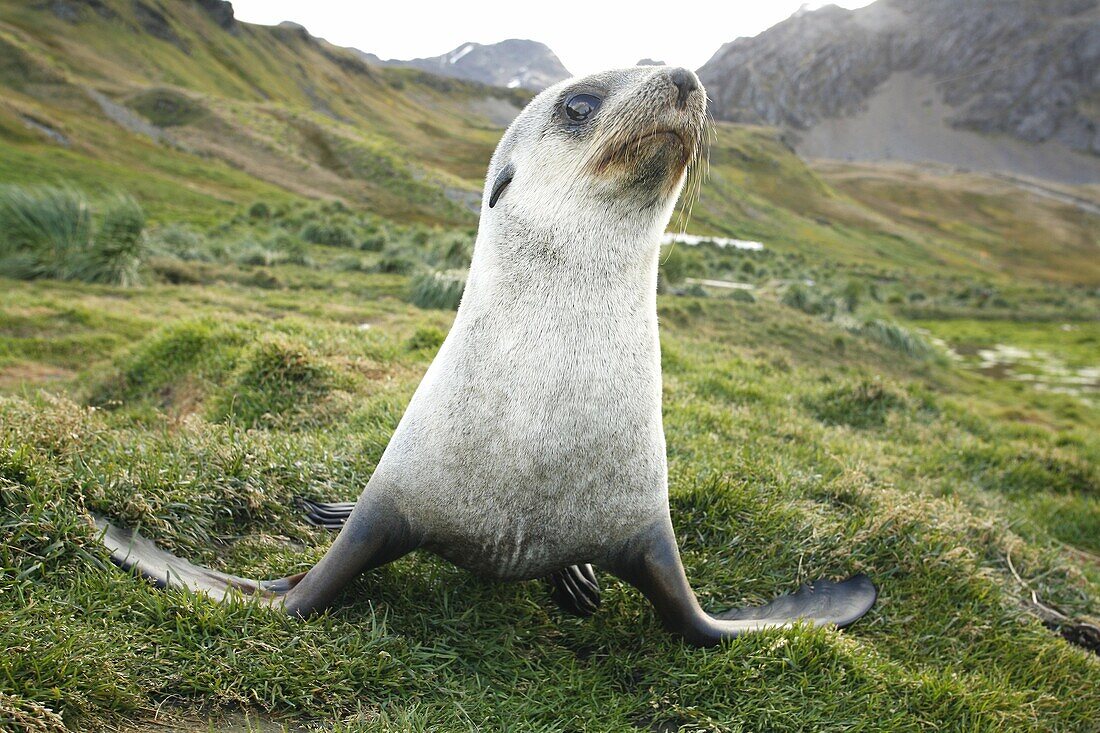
(374, 534)
(575, 588)
(130, 551)
(651, 562)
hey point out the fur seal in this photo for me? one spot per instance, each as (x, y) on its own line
(534, 446)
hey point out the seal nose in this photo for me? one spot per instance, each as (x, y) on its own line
(685, 83)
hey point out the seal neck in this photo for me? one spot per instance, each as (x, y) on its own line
(601, 270)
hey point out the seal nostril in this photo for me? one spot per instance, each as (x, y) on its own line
(685, 83)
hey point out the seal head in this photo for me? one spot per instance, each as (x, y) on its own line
(617, 144)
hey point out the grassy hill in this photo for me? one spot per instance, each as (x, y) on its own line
(903, 382)
(187, 114)
(192, 115)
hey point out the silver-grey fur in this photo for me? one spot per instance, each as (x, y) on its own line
(535, 440)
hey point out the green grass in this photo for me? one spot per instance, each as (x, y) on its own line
(300, 206)
(797, 449)
(441, 290)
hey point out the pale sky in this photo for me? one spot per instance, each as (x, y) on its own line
(587, 36)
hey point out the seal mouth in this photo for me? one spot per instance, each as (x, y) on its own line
(666, 134)
(629, 151)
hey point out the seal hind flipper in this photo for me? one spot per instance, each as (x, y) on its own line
(330, 515)
(574, 589)
(651, 563)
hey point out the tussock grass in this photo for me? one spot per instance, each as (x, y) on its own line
(48, 232)
(898, 338)
(43, 231)
(441, 290)
(333, 235)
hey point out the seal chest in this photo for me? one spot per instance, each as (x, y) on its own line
(537, 431)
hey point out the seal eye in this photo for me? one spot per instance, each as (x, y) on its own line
(580, 107)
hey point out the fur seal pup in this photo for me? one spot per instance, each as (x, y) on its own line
(534, 444)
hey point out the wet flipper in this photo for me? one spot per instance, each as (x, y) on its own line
(840, 604)
(651, 563)
(132, 552)
(575, 590)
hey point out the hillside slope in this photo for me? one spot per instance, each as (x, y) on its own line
(893, 217)
(198, 114)
(1012, 84)
(176, 96)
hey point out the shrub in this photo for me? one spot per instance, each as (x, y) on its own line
(118, 248)
(426, 337)
(454, 251)
(742, 296)
(441, 290)
(181, 242)
(290, 249)
(395, 265)
(373, 242)
(696, 290)
(799, 296)
(259, 210)
(256, 255)
(853, 293)
(897, 338)
(177, 272)
(42, 231)
(48, 232)
(862, 405)
(678, 263)
(328, 233)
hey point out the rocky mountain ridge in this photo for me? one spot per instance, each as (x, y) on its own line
(1025, 69)
(1009, 87)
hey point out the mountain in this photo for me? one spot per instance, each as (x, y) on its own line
(512, 63)
(1011, 86)
(199, 115)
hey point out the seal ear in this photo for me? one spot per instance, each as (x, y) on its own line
(503, 179)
